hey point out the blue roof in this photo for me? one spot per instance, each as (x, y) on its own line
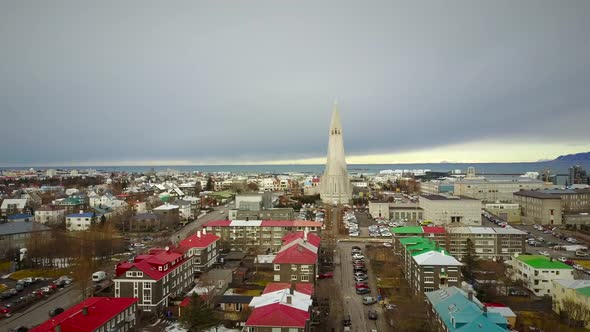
(459, 314)
(82, 215)
(20, 216)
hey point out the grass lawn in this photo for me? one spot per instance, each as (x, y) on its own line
(5, 266)
(31, 273)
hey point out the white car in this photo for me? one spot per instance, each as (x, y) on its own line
(358, 256)
(544, 253)
(387, 244)
(562, 259)
(578, 267)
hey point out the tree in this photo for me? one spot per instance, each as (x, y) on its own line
(197, 316)
(210, 184)
(103, 219)
(252, 186)
(198, 188)
(469, 261)
(574, 312)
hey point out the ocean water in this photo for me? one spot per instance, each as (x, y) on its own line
(555, 167)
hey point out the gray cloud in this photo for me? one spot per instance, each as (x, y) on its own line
(247, 81)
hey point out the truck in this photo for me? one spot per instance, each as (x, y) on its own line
(99, 276)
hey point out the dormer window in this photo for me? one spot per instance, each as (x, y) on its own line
(159, 268)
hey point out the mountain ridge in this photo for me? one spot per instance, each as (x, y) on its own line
(582, 156)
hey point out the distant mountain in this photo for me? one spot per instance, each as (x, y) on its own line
(582, 156)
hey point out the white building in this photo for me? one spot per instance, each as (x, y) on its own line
(445, 210)
(50, 214)
(79, 221)
(538, 272)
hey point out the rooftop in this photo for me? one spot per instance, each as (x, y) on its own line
(434, 197)
(100, 311)
(407, 230)
(542, 262)
(198, 240)
(296, 254)
(19, 227)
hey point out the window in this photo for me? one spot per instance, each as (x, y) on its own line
(277, 267)
(304, 277)
(294, 277)
(453, 279)
(428, 280)
(293, 267)
(428, 289)
(147, 285)
(277, 277)
(276, 329)
(134, 274)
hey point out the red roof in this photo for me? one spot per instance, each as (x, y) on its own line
(305, 288)
(198, 241)
(306, 223)
(296, 254)
(217, 223)
(311, 238)
(494, 304)
(278, 315)
(434, 229)
(150, 264)
(100, 311)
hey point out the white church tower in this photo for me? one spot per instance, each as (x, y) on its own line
(335, 187)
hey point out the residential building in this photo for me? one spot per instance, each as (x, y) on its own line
(576, 291)
(428, 267)
(253, 201)
(14, 235)
(268, 214)
(162, 274)
(284, 310)
(169, 214)
(445, 210)
(263, 236)
(451, 310)
(550, 207)
(145, 222)
(81, 221)
(538, 272)
(20, 217)
(509, 212)
(99, 314)
(50, 214)
(72, 204)
(139, 207)
(297, 260)
(12, 206)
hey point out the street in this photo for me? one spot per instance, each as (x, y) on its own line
(353, 305)
(192, 227)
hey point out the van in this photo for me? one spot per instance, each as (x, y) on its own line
(581, 253)
(99, 276)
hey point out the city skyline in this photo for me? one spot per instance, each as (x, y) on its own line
(210, 83)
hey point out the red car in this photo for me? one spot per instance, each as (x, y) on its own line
(361, 285)
(4, 312)
(327, 275)
(568, 262)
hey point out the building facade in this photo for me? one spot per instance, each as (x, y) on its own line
(445, 210)
(538, 272)
(50, 214)
(509, 212)
(298, 258)
(15, 235)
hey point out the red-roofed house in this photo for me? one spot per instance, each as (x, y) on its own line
(280, 310)
(164, 273)
(297, 260)
(94, 314)
(261, 235)
(304, 288)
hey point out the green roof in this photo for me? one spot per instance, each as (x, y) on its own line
(412, 240)
(407, 230)
(542, 262)
(584, 291)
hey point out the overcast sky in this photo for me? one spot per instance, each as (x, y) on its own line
(198, 82)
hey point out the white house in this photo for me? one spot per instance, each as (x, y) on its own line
(538, 272)
(50, 214)
(13, 206)
(79, 221)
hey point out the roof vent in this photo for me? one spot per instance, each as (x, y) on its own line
(85, 311)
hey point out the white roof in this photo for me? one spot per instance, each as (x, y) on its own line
(246, 223)
(301, 242)
(436, 258)
(299, 300)
(20, 202)
(573, 283)
(481, 230)
(504, 311)
(459, 230)
(501, 230)
(166, 207)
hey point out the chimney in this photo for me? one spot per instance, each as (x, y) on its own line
(470, 296)
(199, 234)
(81, 211)
(485, 310)
(289, 299)
(204, 232)
(305, 234)
(57, 328)
(85, 311)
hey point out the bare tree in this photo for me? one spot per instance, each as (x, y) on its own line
(574, 312)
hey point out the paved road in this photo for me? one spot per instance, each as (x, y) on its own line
(192, 227)
(38, 313)
(352, 302)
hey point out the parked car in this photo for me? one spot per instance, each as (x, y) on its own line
(578, 267)
(387, 244)
(327, 275)
(544, 253)
(562, 259)
(363, 291)
(56, 311)
(361, 285)
(346, 320)
(372, 314)
(569, 262)
(99, 276)
(369, 300)
(517, 292)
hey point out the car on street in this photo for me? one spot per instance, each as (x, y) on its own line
(569, 262)
(361, 285)
(562, 259)
(327, 275)
(358, 256)
(544, 253)
(56, 311)
(346, 320)
(387, 244)
(578, 267)
(372, 314)
(369, 300)
(363, 291)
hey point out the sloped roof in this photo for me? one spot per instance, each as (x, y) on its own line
(100, 311)
(19, 202)
(296, 254)
(407, 230)
(217, 223)
(198, 241)
(299, 300)
(278, 315)
(436, 258)
(305, 288)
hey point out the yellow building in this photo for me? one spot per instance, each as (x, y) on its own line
(507, 212)
(576, 290)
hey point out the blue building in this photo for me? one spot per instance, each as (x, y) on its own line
(20, 217)
(456, 311)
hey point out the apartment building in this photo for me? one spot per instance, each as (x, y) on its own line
(145, 222)
(297, 260)
(81, 221)
(50, 214)
(72, 204)
(499, 188)
(95, 314)
(165, 273)
(552, 207)
(509, 212)
(446, 210)
(453, 310)
(169, 214)
(12, 206)
(428, 267)
(263, 236)
(538, 272)
(489, 242)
